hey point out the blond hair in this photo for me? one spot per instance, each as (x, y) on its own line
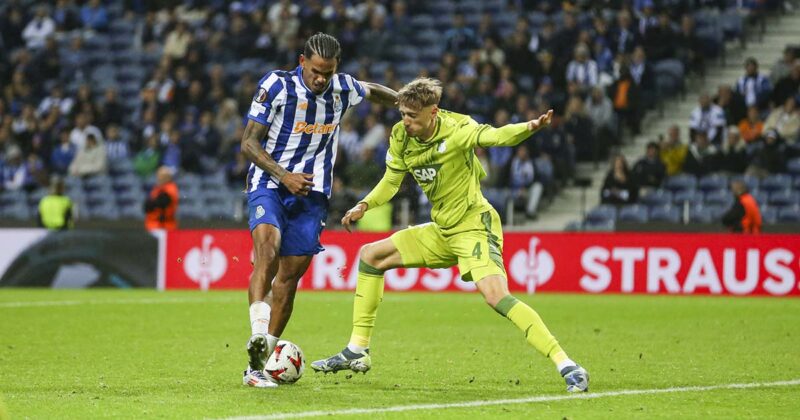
(419, 93)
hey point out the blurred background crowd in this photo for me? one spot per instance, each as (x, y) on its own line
(104, 92)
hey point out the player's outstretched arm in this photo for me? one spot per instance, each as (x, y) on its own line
(382, 193)
(512, 134)
(380, 94)
(297, 184)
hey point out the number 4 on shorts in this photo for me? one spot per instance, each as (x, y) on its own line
(476, 252)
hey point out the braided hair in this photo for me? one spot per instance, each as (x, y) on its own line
(324, 46)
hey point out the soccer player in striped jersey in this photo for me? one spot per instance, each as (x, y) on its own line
(437, 148)
(291, 138)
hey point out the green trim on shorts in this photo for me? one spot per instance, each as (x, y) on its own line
(368, 269)
(494, 244)
(505, 305)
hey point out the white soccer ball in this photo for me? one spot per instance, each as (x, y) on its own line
(286, 364)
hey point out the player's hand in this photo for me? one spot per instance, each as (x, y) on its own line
(353, 215)
(298, 184)
(541, 122)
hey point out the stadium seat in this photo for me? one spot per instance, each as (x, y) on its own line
(574, 226)
(97, 182)
(635, 213)
(721, 197)
(192, 211)
(793, 166)
(690, 196)
(127, 182)
(789, 214)
(105, 210)
(18, 210)
(751, 181)
(97, 197)
(498, 197)
(222, 211)
(36, 195)
(769, 215)
(133, 197)
(12, 197)
(699, 213)
(188, 183)
(680, 182)
(601, 213)
(713, 182)
(776, 182)
(422, 22)
(599, 226)
(784, 198)
(667, 213)
(657, 198)
(131, 212)
(761, 197)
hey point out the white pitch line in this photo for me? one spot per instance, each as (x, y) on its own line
(143, 301)
(528, 400)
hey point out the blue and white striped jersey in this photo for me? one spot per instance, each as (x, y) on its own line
(303, 127)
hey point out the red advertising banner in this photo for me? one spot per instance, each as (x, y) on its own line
(657, 263)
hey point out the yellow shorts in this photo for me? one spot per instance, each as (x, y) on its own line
(475, 245)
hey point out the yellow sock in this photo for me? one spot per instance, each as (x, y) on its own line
(369, 293)
(536, 333)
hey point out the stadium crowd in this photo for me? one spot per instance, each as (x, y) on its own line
(101, 91)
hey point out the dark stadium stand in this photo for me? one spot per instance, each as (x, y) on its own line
(184, 92)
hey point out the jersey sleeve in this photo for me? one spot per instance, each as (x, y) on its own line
(356, 93)
(394, 155)
(470, 134)
(267, 100)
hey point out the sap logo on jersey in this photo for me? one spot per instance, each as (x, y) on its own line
(304, 127)
(533, 267)
(205, 265)
(426, 174)
(664, 270)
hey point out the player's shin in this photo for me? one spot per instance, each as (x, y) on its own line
(369, 294)
(536, 333)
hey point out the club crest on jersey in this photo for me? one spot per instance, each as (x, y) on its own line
(442, 147)
(260, 212)
(261, 95)
(303, 106)
(426, 174)
(337, 103)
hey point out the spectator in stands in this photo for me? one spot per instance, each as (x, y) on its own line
(55, 99)
(690, 47)
(55, 209)
(744, 216)
(601, 112)
(12, 27)
(94, 16)
(112, 111)
(545, 39)
(14, 170)
(63, 153)
(579, 130)
(625, 37)
(650, 171)
(783, 66)
(83, 129)
(460, 39)
(709, 119)
(377, 38)
(172, 157)
(582, 74)
(733, 156)
(35, 173)
(236, 170)
(770, 158)
(785, 120)
(525, 188)
(661, 40)
(751, 127)
(732, 103)
(643, 76)
(161, 205)
(619, 187)
(39, 28)
(146, 161)
(702, 158)
(754, 86)
(117, 148)
(177, 42)
(788, 86)
(91, 159)
(625, 95)
(65, 16)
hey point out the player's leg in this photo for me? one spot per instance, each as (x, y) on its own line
(284, 288)
(266, 217)
(480, 256)
(413, 247)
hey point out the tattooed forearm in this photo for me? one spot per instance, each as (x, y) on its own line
(381, 94)
(252, 150)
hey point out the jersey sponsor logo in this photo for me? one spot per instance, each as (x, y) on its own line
(261, 95)
(304, 127)
(426, 174)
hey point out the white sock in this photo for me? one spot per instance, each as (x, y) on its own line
(355, 348)
(565, 364)
(272, 341)
(259, 317)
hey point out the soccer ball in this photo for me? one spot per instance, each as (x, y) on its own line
(286, 364)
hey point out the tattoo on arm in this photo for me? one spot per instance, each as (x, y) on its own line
(381, 94)
(251, 147)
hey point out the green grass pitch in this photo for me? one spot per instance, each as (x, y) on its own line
(135, 354)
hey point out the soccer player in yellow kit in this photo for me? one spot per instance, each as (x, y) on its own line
(437, 147)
